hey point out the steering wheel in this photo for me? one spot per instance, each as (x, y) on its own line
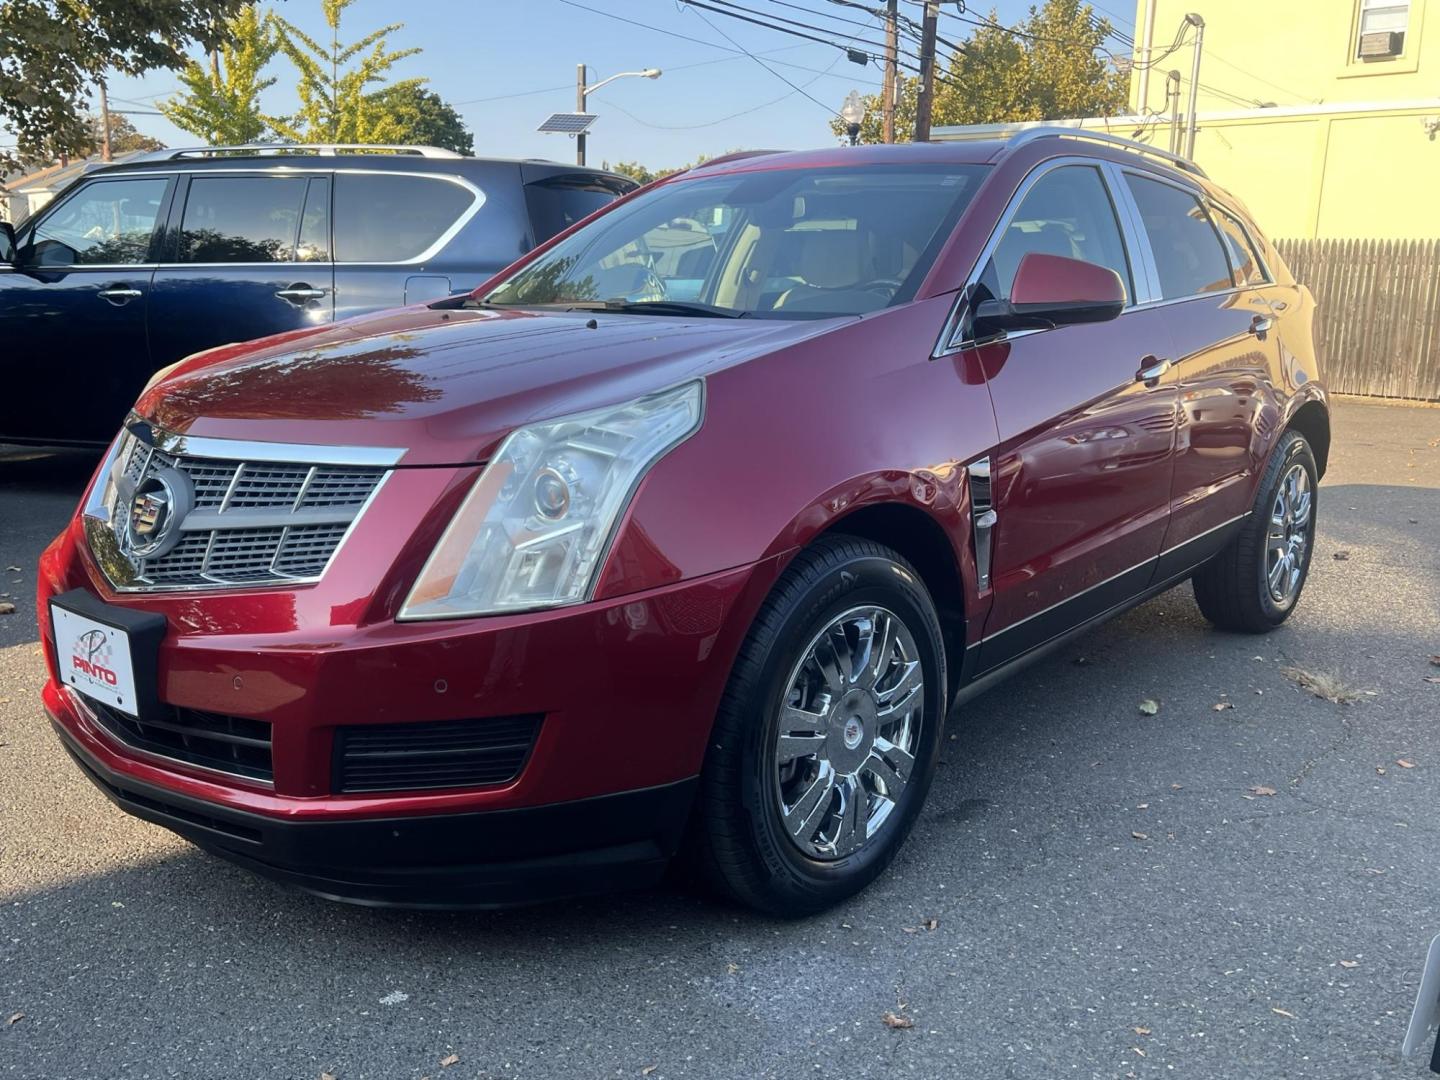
(653, 286)
(880, 284)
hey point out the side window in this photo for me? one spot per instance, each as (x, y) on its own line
(1187, 249)
(554, 207)
(1249, 270)
(383, 218)
(109, 222)
(1067, 212)
(314, 244)
(241, 219)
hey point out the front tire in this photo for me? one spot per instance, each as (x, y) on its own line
(826, 738)
(1253, 585)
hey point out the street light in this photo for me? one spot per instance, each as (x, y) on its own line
(853, 113)
(581, 91)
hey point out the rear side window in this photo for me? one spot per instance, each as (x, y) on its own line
(241, 219)
(381, 218)
(106, 223)
(554, 207)
(1067, 212)
(314, 245)
(1249, 270)
(1188, 254)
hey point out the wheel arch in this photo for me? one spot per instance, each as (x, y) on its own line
(1312, 419)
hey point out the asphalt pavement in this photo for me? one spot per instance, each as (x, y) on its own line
(1112, 895)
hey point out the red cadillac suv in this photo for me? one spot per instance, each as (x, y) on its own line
(683, 535)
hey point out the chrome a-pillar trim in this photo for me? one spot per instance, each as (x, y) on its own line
(983, 517)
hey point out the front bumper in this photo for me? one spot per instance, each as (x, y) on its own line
(487, 859)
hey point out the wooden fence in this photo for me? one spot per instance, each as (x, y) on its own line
(1377, 323)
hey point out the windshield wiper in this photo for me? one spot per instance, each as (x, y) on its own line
(656, 307)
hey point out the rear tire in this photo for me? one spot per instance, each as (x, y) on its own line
(1253, 585)
(794, 814)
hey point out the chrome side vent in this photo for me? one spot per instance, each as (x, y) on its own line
(982, 514)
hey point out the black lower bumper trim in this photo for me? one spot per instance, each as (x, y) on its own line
(494, 858)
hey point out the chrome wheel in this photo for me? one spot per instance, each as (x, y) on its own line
(848, 731)
(1288, 539)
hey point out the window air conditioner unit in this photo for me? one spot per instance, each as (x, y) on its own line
(1381, 43)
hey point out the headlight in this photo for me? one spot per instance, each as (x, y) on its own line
(535, 527)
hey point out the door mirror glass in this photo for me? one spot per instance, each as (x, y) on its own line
(1050, 291)
(7, 242)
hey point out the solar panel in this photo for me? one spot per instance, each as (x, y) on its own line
(568, 123)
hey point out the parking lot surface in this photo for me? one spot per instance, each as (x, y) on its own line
(1242, 885)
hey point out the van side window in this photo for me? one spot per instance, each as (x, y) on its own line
(381, 218)
(1188, 255)
(241, 219)
(109, 222)
(1067, 212)
(314, 245)
(555, 205)
(1249, 270)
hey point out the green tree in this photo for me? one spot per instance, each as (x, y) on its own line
(221, 102)
(1051, 67)
(124, 136)
(424, 119)
(336, 102)
(53, 51)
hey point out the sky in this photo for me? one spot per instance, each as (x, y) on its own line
(507, 64)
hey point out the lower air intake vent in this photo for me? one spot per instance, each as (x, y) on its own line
(440, 754)
(231, 744)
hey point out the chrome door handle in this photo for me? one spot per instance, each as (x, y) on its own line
(120, 293)
(1260, 324)
(1153, 369)
(301, 294)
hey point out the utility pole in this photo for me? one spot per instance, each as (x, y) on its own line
(1199, 24)
(892, 45)
(580, 108)
(925, 101)
(1147, 38)
(104, 124)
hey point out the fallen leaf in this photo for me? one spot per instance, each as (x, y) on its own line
(1138, 1050)
(1283, 1012)
(1380, 769)
(1341, 556)
(1142, 806)
(14, 1018)
(448, 1060)
(1140, 835)
(6, 608)
(1404, 764)
(1141, 1030)
(327, 1076)
(13, 569)
(1349, 963)
(908, 929)
(1221, 706)
(648, 1069)
(1432, 678)
(1262, 790)
(1435, 659)
(1149, 707)
(894, 1021)
(732, 969)
(1177, 787)
(931, 923)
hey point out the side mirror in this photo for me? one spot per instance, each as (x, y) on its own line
(1050, 291)
(7, 242)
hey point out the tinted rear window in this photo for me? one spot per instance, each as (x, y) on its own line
(241, 219)
(1187, 250)
(555, 207)
(382, 218)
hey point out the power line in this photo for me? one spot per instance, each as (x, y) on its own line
(735, 14)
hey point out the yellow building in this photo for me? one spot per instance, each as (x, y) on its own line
(1323, 115)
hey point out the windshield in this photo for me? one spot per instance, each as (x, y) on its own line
(779, 243)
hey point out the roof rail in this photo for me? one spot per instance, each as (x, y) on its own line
(1017, 135)
(320, 149)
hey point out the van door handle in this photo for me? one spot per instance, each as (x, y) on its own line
(1260, 324)
(300, 294)
(1151, 369)
(119, 295)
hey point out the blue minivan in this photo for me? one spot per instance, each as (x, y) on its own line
(137, 265)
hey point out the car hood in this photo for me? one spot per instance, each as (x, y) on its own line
(446, 385)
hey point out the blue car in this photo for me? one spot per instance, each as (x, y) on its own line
(135, 266)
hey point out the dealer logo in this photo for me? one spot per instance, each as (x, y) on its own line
(91, 656)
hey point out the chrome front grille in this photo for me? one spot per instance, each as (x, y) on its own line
(246, 519)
